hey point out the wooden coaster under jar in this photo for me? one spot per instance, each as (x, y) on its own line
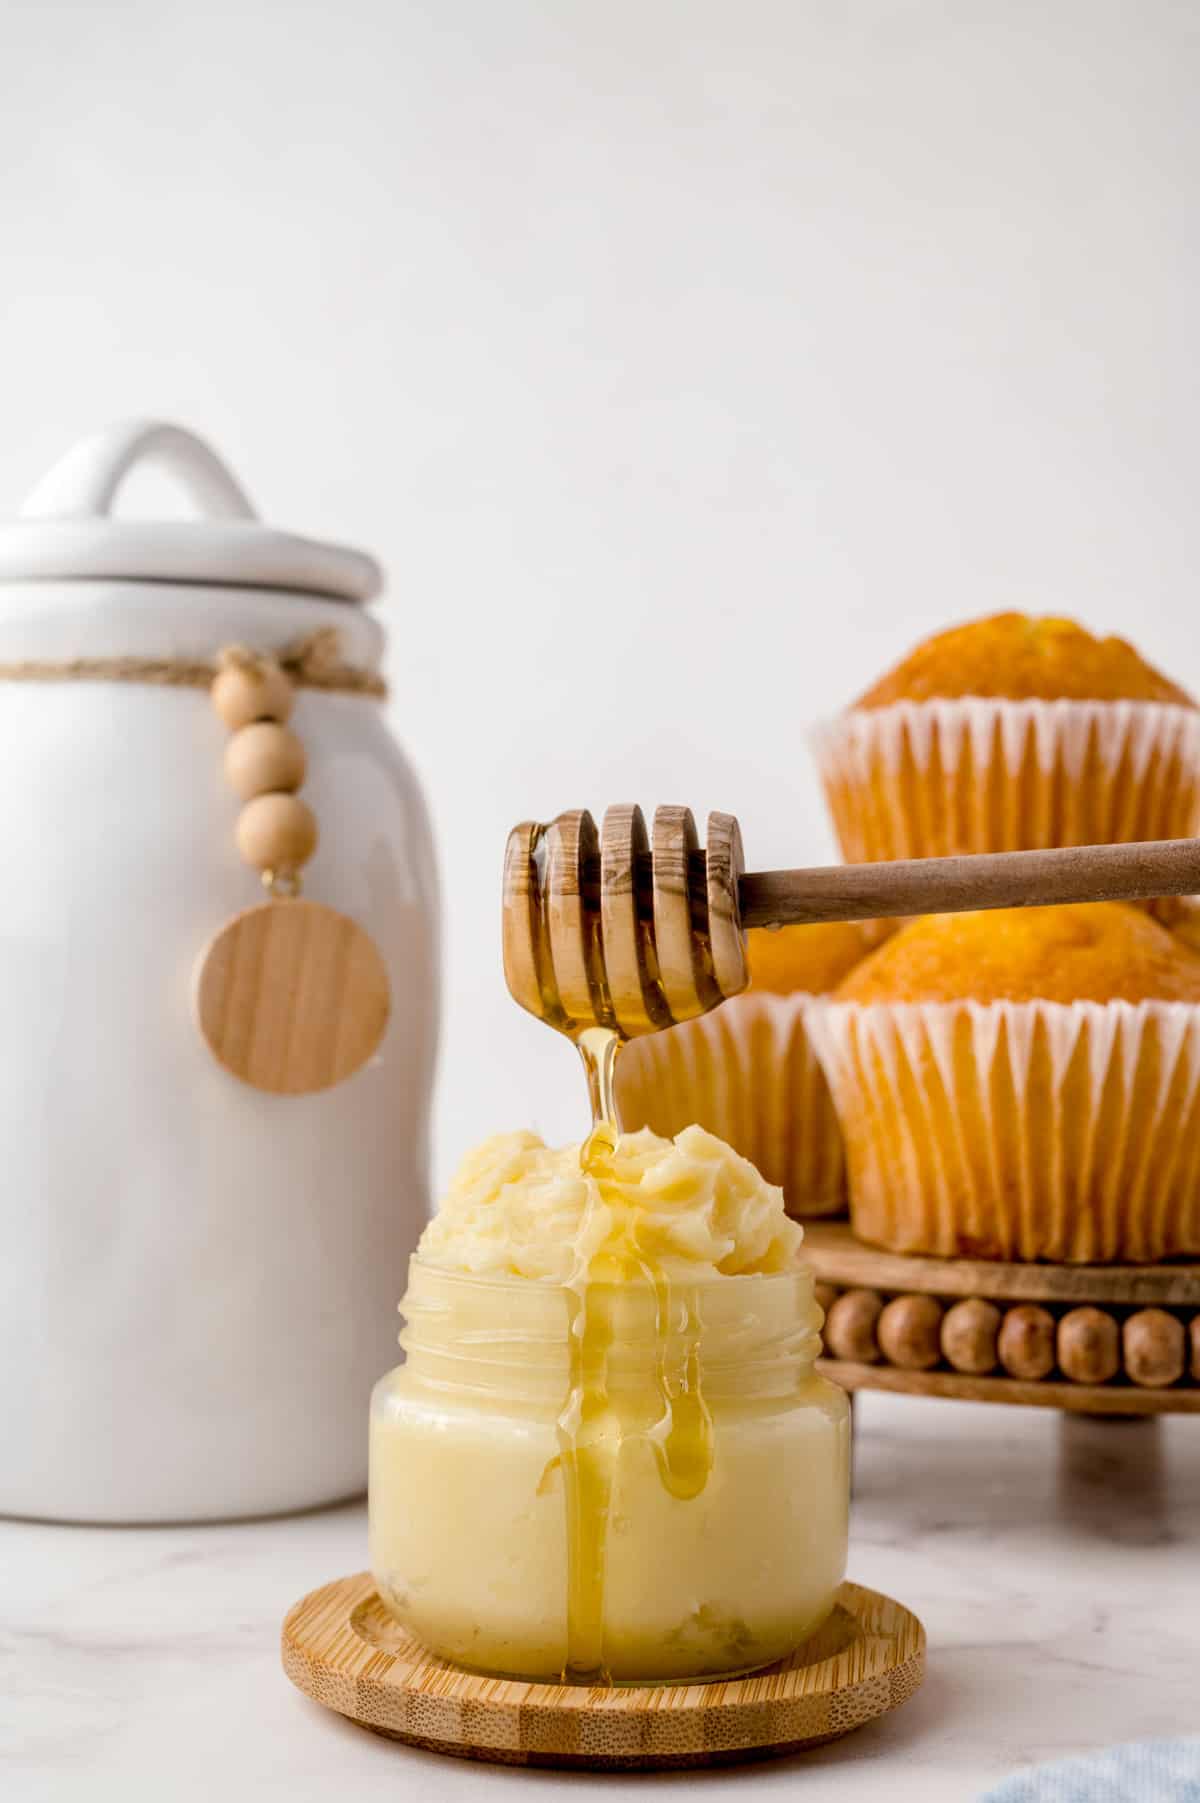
(341, 1648)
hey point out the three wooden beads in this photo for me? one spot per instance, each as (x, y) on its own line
(291, 996)
(265, 765)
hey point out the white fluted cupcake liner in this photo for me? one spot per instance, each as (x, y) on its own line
(1019, 1130)
(932, 778)
(747, 1073)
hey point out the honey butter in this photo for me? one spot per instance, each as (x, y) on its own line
(607, 1454)
(518, 1208)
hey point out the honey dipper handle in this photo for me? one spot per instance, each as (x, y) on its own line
(1008, 879)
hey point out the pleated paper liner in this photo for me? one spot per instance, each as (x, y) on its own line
(933, 778)
(747, 1073)
(1019, 1130)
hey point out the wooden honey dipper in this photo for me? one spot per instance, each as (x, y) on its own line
(631, 932)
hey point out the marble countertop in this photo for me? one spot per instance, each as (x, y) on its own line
(1053, 1560)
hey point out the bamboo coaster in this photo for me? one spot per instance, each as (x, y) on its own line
(341, 1648)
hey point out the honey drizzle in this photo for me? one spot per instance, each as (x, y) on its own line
(591, 1426)
(598, 1048)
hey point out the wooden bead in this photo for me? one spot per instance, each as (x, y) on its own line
(826, 1296)
(243, 693)
(910, 1332)
(1026, 1342)
(1154, 1344)
(969, 1333)
(850, 1327)
(276, 832)
(1194, 1333)
(264, 759)
(1089, 1346)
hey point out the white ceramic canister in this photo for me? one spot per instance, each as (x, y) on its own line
(199, 1280)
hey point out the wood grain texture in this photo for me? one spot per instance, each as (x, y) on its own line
(620, 929)
(724, 862)
(1008, 879)
(292, 997)
(686, 985)
(1083, 1399)
(677, 915)
(838, 1258)
(637, 1002)
(341, 1648)
(570, 844)
(526, 956)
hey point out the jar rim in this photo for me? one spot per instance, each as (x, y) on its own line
(517, 1285)
(488, 1327)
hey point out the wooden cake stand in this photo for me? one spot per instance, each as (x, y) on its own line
(1097, 1339)
(341, 1648)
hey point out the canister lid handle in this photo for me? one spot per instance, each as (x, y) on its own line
(68, 531)
(84, 483)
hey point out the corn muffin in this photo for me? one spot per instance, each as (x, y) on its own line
(1021, 1084)
(1012, 733)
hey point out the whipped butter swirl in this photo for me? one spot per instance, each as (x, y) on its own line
(519, 1208)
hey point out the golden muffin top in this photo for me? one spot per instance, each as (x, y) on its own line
(1185, 923)
(1015, 657)
(811, 960)
(1093, 951)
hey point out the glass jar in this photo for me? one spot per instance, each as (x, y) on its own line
(469, 1476)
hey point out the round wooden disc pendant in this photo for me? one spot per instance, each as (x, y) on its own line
(292, 997)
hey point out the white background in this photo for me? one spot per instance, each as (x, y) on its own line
(684, 360)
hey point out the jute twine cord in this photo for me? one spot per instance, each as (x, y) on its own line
(313, 662)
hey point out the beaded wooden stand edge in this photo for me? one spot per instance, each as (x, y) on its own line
(1095, 1339)
(341, 1648)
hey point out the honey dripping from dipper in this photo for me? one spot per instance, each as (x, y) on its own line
(597, 954)
(595, 1421)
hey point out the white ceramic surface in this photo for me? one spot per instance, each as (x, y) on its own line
(67, 528)
(199, 1281)
(1052, 1562)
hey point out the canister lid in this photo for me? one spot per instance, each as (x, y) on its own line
(66, 529)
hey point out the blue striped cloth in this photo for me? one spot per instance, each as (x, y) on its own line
(1145, 1771)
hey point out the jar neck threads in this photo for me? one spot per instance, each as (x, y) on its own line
(755, 1335)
